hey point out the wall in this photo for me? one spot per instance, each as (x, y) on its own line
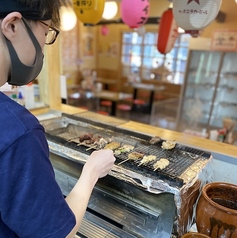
(104, 54)
(156, 9)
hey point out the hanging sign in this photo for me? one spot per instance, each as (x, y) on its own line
(194, 15)
(134, 13)
(168, 32)
(89, 11)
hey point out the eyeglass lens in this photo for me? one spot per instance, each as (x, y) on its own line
(51, 36)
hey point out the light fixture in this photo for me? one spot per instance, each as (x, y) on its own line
(68, 18)
(181, 30)
(110, 10)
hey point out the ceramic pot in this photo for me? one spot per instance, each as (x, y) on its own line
(216, 212)
(194, 235)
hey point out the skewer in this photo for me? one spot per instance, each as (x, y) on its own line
(92, 147)
(73, 138)
(82, 143)
(123, 161)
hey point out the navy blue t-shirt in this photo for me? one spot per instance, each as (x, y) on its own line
(31, 202)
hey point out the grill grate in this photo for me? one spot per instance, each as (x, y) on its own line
(180, 157)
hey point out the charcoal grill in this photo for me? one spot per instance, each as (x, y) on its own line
(132, 201)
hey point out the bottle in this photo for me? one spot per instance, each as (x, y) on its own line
(20, 99)
(29, 96)
(14, 97)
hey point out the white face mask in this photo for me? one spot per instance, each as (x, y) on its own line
(22, 74)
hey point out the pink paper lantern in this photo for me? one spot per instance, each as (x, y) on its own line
(134, 13)
(168, 32)
(104, 30)
(194, 15)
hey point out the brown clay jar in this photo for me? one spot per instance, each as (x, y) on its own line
(194, 235)
(216, 212)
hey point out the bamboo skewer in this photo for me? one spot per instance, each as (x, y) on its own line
(92, 147)
(123, 161)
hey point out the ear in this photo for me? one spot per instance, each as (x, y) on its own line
(9, 24)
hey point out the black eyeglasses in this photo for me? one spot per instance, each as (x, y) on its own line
(52, 34)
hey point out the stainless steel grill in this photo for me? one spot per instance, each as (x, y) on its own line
(132, 201)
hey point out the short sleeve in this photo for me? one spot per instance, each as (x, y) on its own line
(31, 202)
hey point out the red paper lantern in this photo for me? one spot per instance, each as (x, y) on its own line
(194, 15)
(134, 13)
(168, 32)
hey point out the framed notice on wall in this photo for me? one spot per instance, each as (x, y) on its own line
(224, 40)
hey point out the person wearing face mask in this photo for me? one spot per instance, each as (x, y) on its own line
(31, 202)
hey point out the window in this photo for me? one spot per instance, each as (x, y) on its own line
(140, 56)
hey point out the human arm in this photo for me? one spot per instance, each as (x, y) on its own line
(97, 166)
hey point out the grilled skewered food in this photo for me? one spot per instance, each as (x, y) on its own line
(85, 137)
(155, 140)
(161, 164)
(168, 145)
(112, 145)
(135, 155)
(123, 149)
(147, 158)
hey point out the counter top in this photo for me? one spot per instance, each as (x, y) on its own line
(188, 140)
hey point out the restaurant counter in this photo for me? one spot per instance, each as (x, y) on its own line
(223, 155)
(196, 142)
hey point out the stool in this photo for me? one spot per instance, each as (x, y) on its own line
(107, 104)
(144, 95)
(138, 105)
(124, 108)
(139, 102)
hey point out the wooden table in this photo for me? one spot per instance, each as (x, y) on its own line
(106, 82)
(114, 97)
(149, 87)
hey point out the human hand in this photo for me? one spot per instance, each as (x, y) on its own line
(100, 163)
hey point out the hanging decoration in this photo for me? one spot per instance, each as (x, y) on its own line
(104, 30)
(134, 13)
(89, 12)
(195, 15)
(110, 10)
(141, 30)
(68, 18)
(168, 32)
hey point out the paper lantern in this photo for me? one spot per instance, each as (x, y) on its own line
(68, 18)
(104, 30)
(89, 12)
(134, 13)
(194, 15)
(168, 32)
(110, 10)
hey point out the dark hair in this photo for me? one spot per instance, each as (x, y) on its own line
(34, 9)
